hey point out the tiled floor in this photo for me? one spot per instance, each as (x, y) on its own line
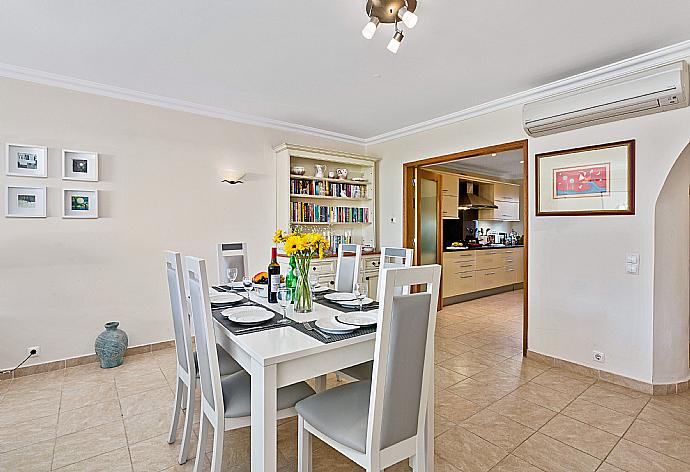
(494, 411)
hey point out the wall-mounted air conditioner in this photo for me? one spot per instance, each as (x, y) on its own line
(651, 91)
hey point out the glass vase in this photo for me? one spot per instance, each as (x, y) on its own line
(302, 296)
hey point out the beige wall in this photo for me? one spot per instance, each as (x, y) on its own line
(60, 280)
(580, 297)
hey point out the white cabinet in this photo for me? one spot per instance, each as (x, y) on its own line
(506, 197)
(507, 211)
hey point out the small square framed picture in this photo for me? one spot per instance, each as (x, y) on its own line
(80, 204)
(25, 202)
(79, 165)
(26, 160)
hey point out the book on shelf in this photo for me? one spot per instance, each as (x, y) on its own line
(303, 212)
(327, 189)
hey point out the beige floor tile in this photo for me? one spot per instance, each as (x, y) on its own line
(598, 416)
(544, 396)
(495, 376)
(115, 461)
(523, 411)
(634, 458)
(88, 443)
(146, 401)
(497, 429)
(453, 407)
(156, 454)
(548, 454)
(81, 394)
(623, 390)
(153, 423)
(605, 467)
(464, 366)
(87, 417)
(524, 370)
(442, 465)
(514, 464)
(616, 401)
(134, 383)
(584, 437)
(452, 346)
(441, 425)
(667, 414)
(480, 393)
(29, 432)
(21, 412)
(561, 382)
(660, 439)
(34, 458)
(467, 451)
(444, 378)
(442, 356)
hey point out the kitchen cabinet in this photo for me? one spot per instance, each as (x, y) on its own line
(506, 197)
(450, 186)
(468, 271)
(449, 207)
(506, 192)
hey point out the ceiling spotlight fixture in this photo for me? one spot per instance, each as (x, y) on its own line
(493, 154)
(370, 29)
(395, 41)
(390, 11)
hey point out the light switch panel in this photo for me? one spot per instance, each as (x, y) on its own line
(632, 258)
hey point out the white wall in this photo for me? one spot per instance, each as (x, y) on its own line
(60, 280)
(590, 304)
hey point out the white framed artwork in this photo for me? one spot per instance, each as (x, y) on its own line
(79, 165)
(25, 202)
(26, 160)
(80, 203)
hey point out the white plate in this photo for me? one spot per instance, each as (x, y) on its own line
(339, 296)
(322, 288)
(355, 303)
(359, 318)
(333, 326)
(225, 297)
(249, 315)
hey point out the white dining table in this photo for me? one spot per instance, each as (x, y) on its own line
(283, 356)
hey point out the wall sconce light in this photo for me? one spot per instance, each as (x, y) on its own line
(233, 176)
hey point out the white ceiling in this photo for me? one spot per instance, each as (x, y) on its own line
(305, 62)
(506, 165)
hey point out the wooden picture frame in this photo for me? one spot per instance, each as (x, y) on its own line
(586, 181)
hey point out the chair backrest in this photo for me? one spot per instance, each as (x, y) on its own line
(180, 312)
(395, 258)
(232, 255)
(347, 273)
(403, 356)
(209, 372)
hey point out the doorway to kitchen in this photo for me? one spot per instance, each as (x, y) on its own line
(468, 211)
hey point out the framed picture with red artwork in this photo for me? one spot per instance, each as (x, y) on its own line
(592, 180)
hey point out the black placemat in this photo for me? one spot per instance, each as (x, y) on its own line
(343, 309)
(333, 337)
(235, 327)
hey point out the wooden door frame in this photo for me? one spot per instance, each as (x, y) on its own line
(409, 170)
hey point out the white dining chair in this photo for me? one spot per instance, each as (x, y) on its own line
(225, 403)
(391, 258)
(379, 423)
(187, 370)
(347, 272)
(232, 255)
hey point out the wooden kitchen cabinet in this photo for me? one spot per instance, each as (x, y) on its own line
(449, 207)
(506, 192)
(506, 197)
(450, 186)
(482, 269)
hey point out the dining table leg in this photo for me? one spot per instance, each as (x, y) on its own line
(320, 383)
(264, 430)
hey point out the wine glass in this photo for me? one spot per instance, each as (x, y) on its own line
(284, 299)
(361, 291)
(248, 286)
(232, 275)
(313, 282)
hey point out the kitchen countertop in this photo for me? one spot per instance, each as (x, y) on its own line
(482, 248)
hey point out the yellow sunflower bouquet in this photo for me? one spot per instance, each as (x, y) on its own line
(302, 248)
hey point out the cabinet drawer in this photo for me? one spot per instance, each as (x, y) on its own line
(323, 267)
(492, 278)
(462, 255)
(490, 259)
(458, 283)
(370, 264)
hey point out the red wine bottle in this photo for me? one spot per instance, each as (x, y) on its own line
(273, 277)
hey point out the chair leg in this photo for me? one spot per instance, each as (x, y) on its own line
(179, 387)
(188, 422)
(217, 455)
(201, 445)
(185, 394)
(303, 447)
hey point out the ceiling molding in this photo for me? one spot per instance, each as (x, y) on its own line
(638, 63)
(634, 64)
(79, 85)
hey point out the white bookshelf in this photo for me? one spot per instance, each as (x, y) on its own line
(300, 190)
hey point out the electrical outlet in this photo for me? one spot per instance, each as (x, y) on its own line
(599, 356)
(31, 349)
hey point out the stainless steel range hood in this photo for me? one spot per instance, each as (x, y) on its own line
(470, 201)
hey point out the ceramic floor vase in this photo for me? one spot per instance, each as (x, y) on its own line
(111, 345)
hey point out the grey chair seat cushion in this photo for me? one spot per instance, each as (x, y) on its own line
(226, 364)
(340, 413)
(360, 371)
(237, 394)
